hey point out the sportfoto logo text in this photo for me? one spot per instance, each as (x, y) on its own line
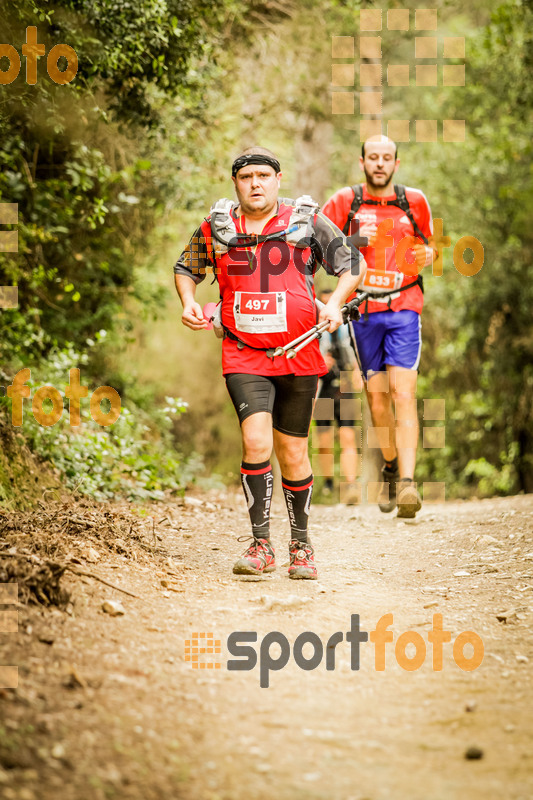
(31, 51)
(275, 650)
(74, 392)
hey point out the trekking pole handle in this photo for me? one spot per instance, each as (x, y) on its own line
(351, 310)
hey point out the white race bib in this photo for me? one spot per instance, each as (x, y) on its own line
(379, 281)
(260, 312)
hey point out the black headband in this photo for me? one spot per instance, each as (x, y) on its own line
(252, 158)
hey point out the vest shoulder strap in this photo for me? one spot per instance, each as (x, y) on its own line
(357, 190)
(403, 203)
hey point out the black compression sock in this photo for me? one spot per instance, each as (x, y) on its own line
(298, 499)
(392, 465)
(257, 483)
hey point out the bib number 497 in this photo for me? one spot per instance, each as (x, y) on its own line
(256, 305)
(260, 312)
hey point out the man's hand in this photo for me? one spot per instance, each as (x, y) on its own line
(423, 255)
(329, 361)
(333, 314)
(193, 316)
(370, 230)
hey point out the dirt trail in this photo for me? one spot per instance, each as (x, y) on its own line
(108, 707)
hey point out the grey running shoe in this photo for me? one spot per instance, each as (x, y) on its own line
(387, 495)
(409, 501)
(351, 494)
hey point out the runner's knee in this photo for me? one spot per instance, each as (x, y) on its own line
(256, 446)
(292, 455)
(379, 402)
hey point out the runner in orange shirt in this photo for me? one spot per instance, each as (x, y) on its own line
(397, 224)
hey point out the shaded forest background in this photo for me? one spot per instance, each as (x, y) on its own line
(112, 173)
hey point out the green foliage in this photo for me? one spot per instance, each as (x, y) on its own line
(489, 479)
(483, 361)
(478, 334)
(134, 458)
(85, 165)
(161, 104)
(82, 160)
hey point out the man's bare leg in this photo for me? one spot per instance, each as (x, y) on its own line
(326, 444)
(380, 403)
(396, 389)
(348, 453)
(403, 392)
(292, 453)
(350, 490)
(256, 432)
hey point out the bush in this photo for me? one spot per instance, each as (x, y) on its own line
(133, 458)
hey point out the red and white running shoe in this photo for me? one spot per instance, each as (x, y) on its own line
(302, 564)
(259, 557)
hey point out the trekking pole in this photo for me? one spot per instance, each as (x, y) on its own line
(349, 312)
(280, 351)
(311, 336)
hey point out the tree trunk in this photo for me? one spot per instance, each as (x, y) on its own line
(312, 175)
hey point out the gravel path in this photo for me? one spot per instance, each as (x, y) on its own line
(108, 707)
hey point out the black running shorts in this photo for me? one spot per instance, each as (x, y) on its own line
(289, 398)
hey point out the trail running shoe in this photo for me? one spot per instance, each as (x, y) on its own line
(387, 495)
(258, 558)
(302, 565)
(327, 488)
(350, 494)
(409, 501)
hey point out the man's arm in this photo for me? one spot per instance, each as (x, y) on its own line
(193, 316)
(340, 258)
(424, 253)
(189, 271)
(346, 286)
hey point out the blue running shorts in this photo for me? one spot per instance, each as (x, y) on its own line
(387, 337)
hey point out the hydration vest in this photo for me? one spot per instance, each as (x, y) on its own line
(298, 232)
(400, 201)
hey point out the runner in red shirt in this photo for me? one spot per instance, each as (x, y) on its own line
(387, 338)
(264, 252)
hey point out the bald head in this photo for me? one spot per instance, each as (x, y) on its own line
(381, 140)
